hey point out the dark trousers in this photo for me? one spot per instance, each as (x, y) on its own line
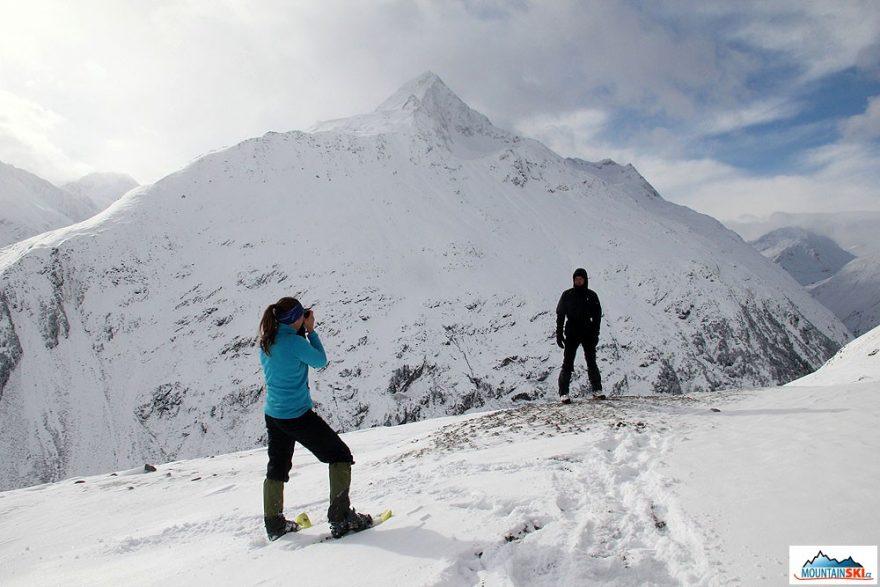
(313, 433)
(572, 343)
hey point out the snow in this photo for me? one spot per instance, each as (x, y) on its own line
(856, 232)
(635, 491)
(101, 188)
(859, 361)
(30, 205)
(807, 256)
(427, 240)
(853, 294)
(847, 285)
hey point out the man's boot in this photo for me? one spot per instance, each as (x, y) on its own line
(564, 382)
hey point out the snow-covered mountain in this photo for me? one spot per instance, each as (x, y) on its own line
(433, 247)
(855, 232)
(853, 294)
(30, 205)
(807, 256)
(847, 284)
(102, 188)
(857, 362)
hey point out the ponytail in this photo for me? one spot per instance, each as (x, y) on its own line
(269, 322)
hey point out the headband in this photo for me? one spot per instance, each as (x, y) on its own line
(290, 316)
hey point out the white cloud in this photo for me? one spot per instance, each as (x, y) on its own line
(566, 132)
(864, 126)
(750, 114)
(201, 75)
(26, 139)
(816, 36)
(143, 87)
(846, 178)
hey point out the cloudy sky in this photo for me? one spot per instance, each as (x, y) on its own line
(732, 108)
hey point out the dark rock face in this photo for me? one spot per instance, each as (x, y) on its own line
(10, 346)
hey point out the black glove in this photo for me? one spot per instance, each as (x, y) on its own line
(560, 340)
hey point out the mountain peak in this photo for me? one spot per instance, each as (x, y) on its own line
(808, 256)
(427, 104)
(426, 87)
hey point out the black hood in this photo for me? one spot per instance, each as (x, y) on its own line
(581, 272)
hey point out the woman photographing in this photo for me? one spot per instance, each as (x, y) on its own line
(289, 345)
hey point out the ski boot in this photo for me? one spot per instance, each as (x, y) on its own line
(351, 522)
(279, 526)
(565, 399)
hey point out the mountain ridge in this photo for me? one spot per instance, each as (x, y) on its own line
(31, 205)
(809, 257)
(433, 273)
(102, 188)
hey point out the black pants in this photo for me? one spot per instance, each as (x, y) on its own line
(311, 431)
(572, 342)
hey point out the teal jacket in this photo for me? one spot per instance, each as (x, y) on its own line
(286, 369)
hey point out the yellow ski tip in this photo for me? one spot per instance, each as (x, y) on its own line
(384, 515)
(303, 520)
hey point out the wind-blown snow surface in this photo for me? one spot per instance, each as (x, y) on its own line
(433, 247)
(637, 491)
(30, 205)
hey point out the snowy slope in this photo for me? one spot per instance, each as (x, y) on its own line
(853, 294)
(433, 247)
(856, 362)
(638, 491)
(807, 256)
(30, 205)
(101, 188)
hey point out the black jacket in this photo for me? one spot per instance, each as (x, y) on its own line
(581, 307)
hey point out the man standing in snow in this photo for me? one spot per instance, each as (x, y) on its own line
(580, 306)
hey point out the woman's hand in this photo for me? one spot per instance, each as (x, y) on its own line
(309, 321)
